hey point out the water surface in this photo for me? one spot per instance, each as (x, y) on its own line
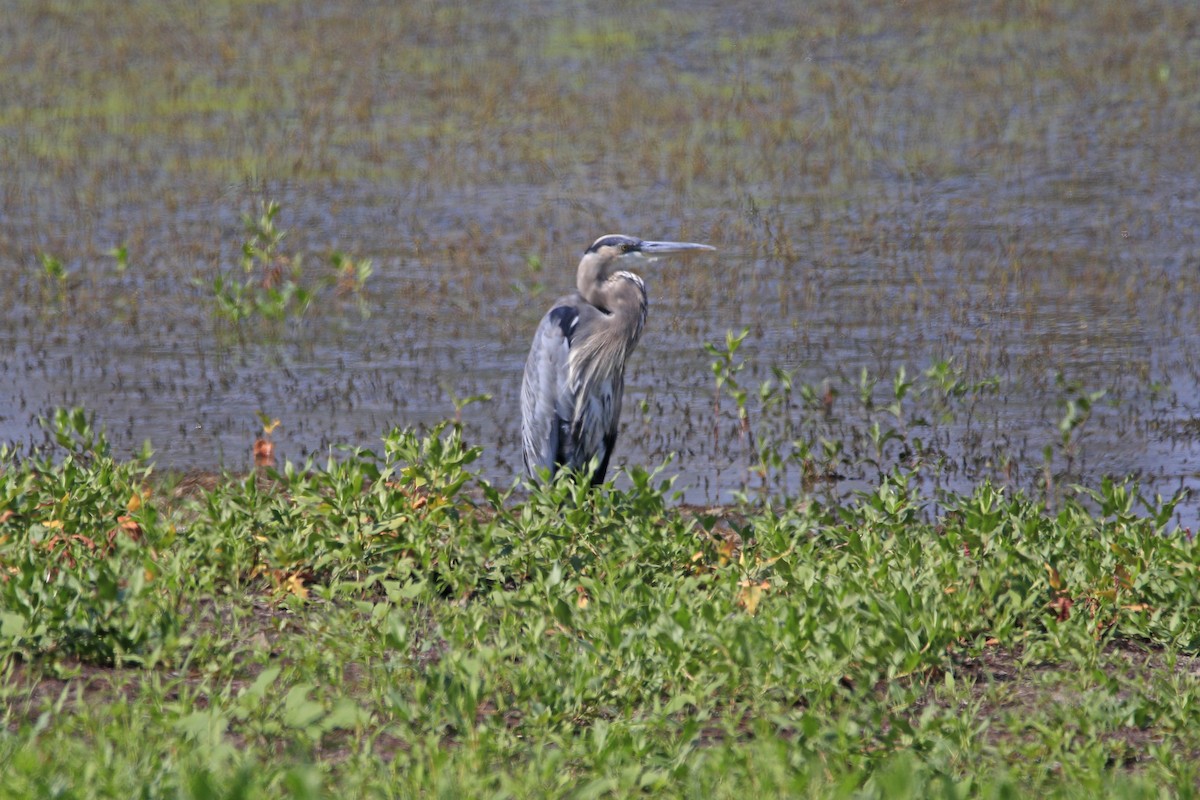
(1007, 186)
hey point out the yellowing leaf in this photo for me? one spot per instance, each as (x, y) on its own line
(294, 584)
(56, 524)
(725, 550)
(751, 595)
(269, 424)
(1056, 582)
(135, 502)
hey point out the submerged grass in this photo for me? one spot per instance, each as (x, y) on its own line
(388, 625)
(1005, 184)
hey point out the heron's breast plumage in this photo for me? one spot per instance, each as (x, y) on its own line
(606, 338)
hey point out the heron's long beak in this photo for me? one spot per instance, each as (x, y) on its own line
(664, 248)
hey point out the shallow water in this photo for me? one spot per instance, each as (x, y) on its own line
(1007, 186)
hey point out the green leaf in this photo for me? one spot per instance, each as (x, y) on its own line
(345, 714)
(12, 625)
(264, 681)
(299, 712)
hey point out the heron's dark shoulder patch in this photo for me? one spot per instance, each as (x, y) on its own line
(567, 319)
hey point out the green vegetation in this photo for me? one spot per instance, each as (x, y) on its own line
(386, 625)
(269, 285)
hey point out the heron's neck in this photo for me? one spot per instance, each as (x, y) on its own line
(601, 354)
(622, 295)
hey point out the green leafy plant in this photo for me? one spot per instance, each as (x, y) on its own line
(121, 254)
(351, 276)
(1076, 407)
(269, 283)
(393, 604)
(81, 544)
(53, 279)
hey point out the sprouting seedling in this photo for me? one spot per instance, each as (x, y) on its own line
(264, 448)
(52, 267)
(262, 238)
(121, 254)
(351, 278)
(271, 287)
(1077, 406)
(725, 368)
(1078, 410)
(900, 388)
(532, 284)
(352, 275)
(463, 402)
(866, 389)
(55, 273)
(269, 423)
(777, 391)
(54, 278)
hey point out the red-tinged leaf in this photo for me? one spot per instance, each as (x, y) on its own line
(264, 453)
(1061, 606)
(1121, 577)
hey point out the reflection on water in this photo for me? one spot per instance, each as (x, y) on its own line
(879, 199)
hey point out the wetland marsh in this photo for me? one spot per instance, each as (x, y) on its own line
(928, 527)
(1007, 187)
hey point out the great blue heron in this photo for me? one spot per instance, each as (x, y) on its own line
(575, 373)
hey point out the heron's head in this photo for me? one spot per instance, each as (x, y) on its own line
(615, 251)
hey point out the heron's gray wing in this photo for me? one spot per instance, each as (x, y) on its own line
(547, 403)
